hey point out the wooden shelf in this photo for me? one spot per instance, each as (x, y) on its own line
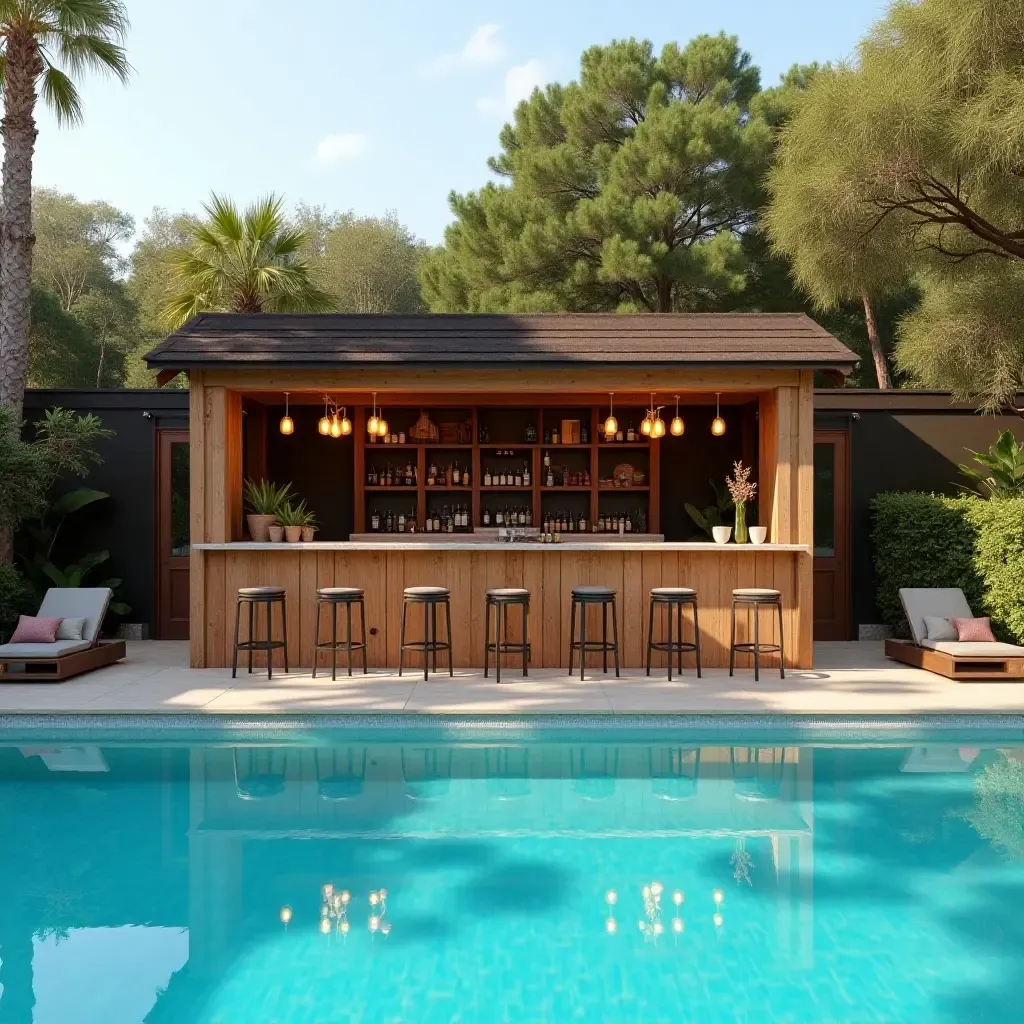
(526, 446)
(407, 488)
(624, 490)
(609, 445)
(504, 487)
(454, 446)
(441, 490)
(578, 488)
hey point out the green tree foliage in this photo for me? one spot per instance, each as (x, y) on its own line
(45, 44)
(369, 264)
(62, 351)
(112, 320)
(76, 244)
(627, 190)
(912, 160)
(243, 262)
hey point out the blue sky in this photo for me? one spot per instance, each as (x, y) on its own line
(367, 106)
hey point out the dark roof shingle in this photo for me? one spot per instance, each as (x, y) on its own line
(342, 339)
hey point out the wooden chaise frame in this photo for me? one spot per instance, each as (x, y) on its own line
(954, 666)
(61, 667)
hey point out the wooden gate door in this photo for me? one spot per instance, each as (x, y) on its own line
(172, 535)
(831, 535)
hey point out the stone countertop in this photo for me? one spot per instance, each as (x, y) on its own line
(390, 543)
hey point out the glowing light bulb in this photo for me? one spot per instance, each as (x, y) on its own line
(343, 927)
(718, 426)
(345, 896)
(327, 891)
(658, 928)
(286, 915)
(611, 426)
(346, 425)
(718, 896)
(382, 427)
(657, 889)
(646, 892)
(645, 426)
(374, 923)
(611, 926)
(374, 899)
(372, 423)
(325, 926)
(678, 897)
(287, 425)
(658, 430)
(335, 427)
(677, 925)
(611, 897)
(677, 426)
(324, 426)
(383, 894)
(718, 919)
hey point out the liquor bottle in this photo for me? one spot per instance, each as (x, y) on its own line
(519, 480)
(547, 435)
(408, 474)
(549, 479)
(401, 522)
(487, 478)
(565, 477)
(487, 517)
(554, 435)
(375, 522)
(582, 527)
(465, 477)
(586, 478)
(547, 460)
(629, 524)
(390, 524)
(529, 516)
(630, 435)
(526, 474)
(437, 523)
(410, 520)
(432, 475)
(618, 435)
(499, 518)
(584, 434)
(572, 524)
(456, 475)
(429, 524)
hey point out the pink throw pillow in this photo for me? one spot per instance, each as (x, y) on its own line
(973, 630)
(34, 630)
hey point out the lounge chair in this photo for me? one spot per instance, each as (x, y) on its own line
(62, 659)
(953, 659)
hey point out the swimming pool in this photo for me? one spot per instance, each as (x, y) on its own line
(682, 872)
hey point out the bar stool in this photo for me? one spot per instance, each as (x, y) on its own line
(332, 597)
(430, 598)
(756, 598)
(673, 599)
(585, 597)
(501, 600)
(253, 597)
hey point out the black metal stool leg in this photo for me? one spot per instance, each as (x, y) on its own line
(270, 636)
(757, 642)
(668, 642)
(732, 639)
(362, 627)
(316, 637)
(497, 640)
(252, 620)
(572, 632)
(615, 636)
(401, 639)
(448, 626)
(650, 635)
(679, 631)
(583, 639)
(334, 641)
(487, 638)
(696, 637)
(348, 635)
(284, 631)
(526, 635)
(782, 658)
(234, 659)
(426, 645)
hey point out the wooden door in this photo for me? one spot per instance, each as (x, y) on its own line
(172, 535)
(831, 535)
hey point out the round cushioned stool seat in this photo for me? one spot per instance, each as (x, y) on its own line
(261, 592)
(339, 593)
(422, 592)
(756, 592)
(508, 593)
(664, 592)
(593, 592)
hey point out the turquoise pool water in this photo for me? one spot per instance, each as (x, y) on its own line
(182, 880)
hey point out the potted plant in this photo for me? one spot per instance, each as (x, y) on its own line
(308, 524)
(264, 500)
(742, 491)
(292, 518)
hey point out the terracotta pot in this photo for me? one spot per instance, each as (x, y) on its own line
(259, 525)
(308, 531)
(292, 534)
(275, 533)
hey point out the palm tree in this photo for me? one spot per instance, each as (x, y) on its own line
(43, 43)
(247, 262)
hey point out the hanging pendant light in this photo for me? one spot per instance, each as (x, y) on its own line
(287, 423)
(718, 424)
(658, 426)
(647, 425)
(373, 423)
(611, 425)
(335, 425)
(346, 423)
(382, 425)
(324, 426)
(677, 427)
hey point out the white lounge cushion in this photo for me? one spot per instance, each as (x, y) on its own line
(975, 649)
(89, 603)
(940, 628)
(946, 602)
(29, 652)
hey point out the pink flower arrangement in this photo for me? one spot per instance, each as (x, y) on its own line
(741, 490)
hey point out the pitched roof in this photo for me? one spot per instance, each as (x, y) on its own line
(342, 339)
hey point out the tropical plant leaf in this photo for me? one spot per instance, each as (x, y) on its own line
(75, 500)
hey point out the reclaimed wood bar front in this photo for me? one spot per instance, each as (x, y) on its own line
(479, 393)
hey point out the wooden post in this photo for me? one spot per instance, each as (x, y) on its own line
(197, 527)
(805, 518)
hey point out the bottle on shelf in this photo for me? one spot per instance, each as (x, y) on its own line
(432, 475)
(487, 517)
(465, 477)
(389, 523)
(584, 434)
(428, 526)
(499, 518)
(408, 474)
(519, 480)
(630, 434)
(437, 522)
(375, 521)
(582, 525)
(526, 474)
(401, 522)
(487, 478)
(456, 475)
(410, 520)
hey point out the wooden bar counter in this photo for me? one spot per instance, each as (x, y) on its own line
(470, 566)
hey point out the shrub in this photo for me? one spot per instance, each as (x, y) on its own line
(928, 540)
(14, 596)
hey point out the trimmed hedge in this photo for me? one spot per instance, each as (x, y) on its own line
(928, 540)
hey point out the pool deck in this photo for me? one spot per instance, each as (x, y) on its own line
(848, 678)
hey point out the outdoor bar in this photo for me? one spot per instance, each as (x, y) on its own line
(473, 452)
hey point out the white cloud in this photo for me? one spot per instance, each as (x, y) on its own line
(520, 81)
(338, 149)
(483, 47)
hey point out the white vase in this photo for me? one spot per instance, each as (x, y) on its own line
(721, 534)
(758, 534)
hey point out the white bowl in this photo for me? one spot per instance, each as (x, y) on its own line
(721, 534)
(758, 534)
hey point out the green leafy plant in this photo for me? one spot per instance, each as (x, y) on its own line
(929, 540)
(295, 515)
(712, 515)
(1004, 462)
(75, 575)
(15, 597)
(264, 498)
